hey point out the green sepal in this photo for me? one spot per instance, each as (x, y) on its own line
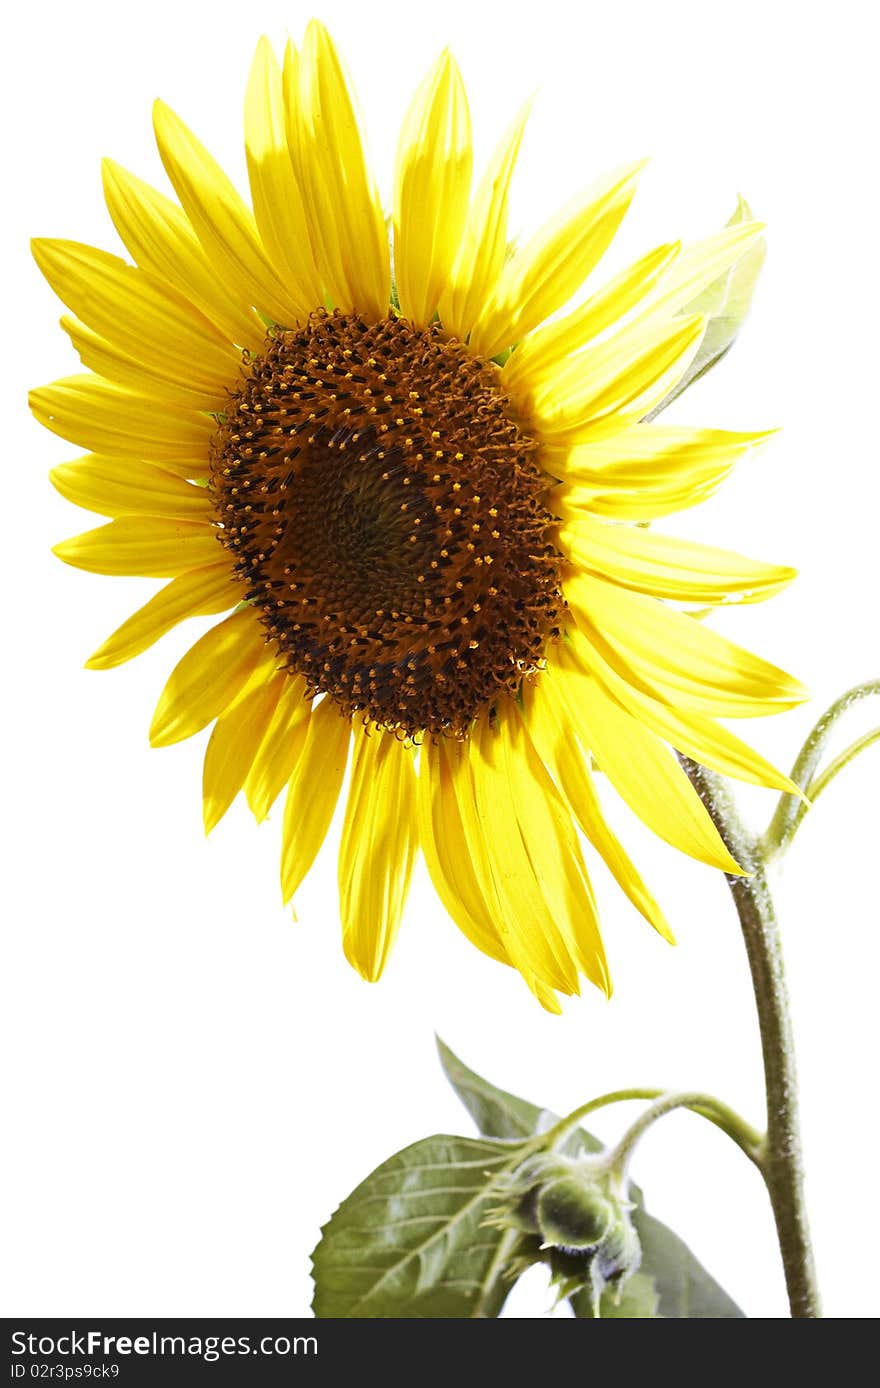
(636, 1299)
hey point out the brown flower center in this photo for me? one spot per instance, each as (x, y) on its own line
(386, 516)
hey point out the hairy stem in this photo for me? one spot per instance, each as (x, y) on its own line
(722, 1115)
(791, 809)
(781, 1163)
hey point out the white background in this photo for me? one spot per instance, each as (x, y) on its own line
(196, 1080)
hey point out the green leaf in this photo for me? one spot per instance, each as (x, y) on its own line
(684, 1288)
(726, 303)
(411, 1240)
(499, 1114)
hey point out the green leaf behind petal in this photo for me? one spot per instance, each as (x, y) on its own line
(726, 303)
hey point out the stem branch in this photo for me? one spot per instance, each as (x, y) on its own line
(742, 1133)
(724, 1117)
(791, 810)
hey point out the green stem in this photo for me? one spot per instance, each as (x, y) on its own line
(781, 1162)
(561, 1129)
(722, 1115)
(743, 1134)
(791, 809)
(787, 820)
(835, 767)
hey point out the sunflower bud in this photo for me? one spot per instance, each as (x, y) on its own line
(572, 1216)
(578, 1209)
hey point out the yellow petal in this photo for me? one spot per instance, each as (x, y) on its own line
(483, 247)
(675, 658)
(556, 743)
(643, 771)
(666, 567)
(278, 203)
(698, 737)
(108, 419)
(445, 847)
(432, 184)
(545, 274)
(138, 314)
(701, 264)
(642, 454)
(551, 844)
(344, 210)
(127, 487)
(145, 546)
(626, 372)
(544, 350)
(313, 792)
(196, 593)
(647, 470)
(234, 744)
(208, 678)
(274, 762)
(156, 379)
(480, 851)
(633, 505)
(160, 239)
(546, 997)
(377, 851)
(530, 961)
(222, 222)
(531, 870)
(290, 79)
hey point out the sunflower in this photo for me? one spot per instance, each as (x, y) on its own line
(421, 501)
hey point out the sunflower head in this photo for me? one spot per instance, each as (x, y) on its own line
(384, 509)
(419, 509)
